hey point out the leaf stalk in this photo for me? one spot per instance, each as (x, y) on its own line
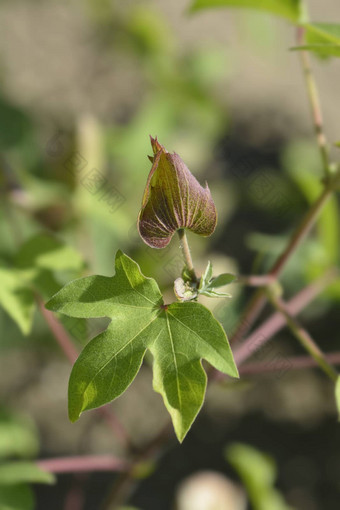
(186, 254)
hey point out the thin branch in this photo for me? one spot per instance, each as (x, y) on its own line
(261, 280)
(186, 253)
(59, 333)
(276, 322)
(75, 497)
(286, 363)
(259, 299)
(85, 463)
(249, 316)
(302, 231)
(314, 100)
(66, 345)
(303, 336)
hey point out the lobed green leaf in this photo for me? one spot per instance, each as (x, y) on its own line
(178, 336)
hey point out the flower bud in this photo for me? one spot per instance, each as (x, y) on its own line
(173, 199)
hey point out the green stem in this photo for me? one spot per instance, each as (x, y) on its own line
(303, 336)
(186, 254)
(314, 101)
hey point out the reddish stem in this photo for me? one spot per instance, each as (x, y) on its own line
(276, 322)
(258, 301)
(261, 280)
(288, 363)
(83, 464)
(59, 333)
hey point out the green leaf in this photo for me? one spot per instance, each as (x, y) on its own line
(322, 33)
(221, 280)
(35, 263)
(323, 39)
(322, 50)
(178, 335)
(337, 395)
(258, 473)
(212, 293)
(46, 252)
(19, 472)
(206, 276)
(290, 9)
(208, 284)
(17, 298)
(17, 436)
(16, 497)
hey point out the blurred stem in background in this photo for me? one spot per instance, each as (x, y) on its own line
(302, 335)
(314, 100)
(261, 335)
(259, 299)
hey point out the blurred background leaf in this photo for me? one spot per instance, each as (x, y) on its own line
(290, 9)
(258, 473)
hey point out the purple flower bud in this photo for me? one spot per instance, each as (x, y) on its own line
(173, 199)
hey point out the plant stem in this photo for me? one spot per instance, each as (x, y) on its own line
(259, 299)
(287, 363)
(276, 322)
(302, 231)
(249, 316)
(314, 101)
(59, 333)
(186, 253)
(303, 336)
(254, 280)
(83, 464)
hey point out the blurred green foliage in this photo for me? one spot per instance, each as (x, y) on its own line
(70, 191)
(257, 471)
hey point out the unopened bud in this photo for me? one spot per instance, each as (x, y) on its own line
(173, 199)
